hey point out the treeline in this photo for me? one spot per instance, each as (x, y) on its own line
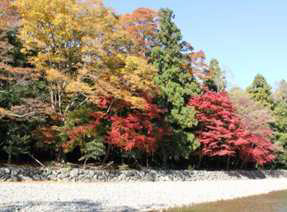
(81, 83)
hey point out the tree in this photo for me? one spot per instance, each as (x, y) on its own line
(279, 131)
(87, 53)
(216, 80)
(280, 93)
(254, 116)
(175, 81)
(85, 49)
(127, 129)
(280, 123)
(137, 130)
(141, 26)
(222, 134)
(260, 91)
(56, 30)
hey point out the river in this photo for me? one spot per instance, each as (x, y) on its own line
(272, 202)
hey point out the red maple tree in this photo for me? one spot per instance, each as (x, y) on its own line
(136, 129)
(222, 134)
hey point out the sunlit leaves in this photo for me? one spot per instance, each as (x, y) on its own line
(260, 91)
(222, 134)
(141, 27)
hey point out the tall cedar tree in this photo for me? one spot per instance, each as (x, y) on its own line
(216, 80)
(260, 91)
(280, 128)
(280, 112)
(176, 83)
(280, 117)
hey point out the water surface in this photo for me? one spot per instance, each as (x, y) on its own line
(272, 202)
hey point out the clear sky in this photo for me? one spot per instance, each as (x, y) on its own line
(247, 36)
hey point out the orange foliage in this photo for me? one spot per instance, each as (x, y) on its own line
(140, 26)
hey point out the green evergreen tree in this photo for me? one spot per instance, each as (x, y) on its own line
(280, 123)
(280, 131)
(217, 81)
(280, 115)
(260, 91)
(176, 83)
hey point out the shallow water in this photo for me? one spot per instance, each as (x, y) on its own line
(272, 202)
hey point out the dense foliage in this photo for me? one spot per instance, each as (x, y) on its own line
(81, 83)
(260, 91)
(255, 117)
(222, 134)
(177, 84)
(216, 81)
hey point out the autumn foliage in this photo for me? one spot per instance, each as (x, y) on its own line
(136, 130)
(255, 117)
(141, 26)
(79, 79)
(222, 134)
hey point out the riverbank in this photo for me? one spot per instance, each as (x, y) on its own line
(127, 196)
(70, 174)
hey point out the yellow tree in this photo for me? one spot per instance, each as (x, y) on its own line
(58, 31)
(80, 40)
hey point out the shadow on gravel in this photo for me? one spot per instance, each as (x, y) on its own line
(248, 174)
(53, 206)
(256, 174)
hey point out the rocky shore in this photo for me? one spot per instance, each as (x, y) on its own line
(77, 189)
(14, 174)
(126, 196)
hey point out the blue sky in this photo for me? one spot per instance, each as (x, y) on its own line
(247, 36)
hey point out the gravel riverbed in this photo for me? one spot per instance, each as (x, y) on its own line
(126, 196)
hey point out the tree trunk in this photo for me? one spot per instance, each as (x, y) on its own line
(228, 163)
(107, 154)
(10, 153)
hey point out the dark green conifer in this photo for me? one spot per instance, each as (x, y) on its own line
(217, 81)
(260, 91)
(176, 83)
